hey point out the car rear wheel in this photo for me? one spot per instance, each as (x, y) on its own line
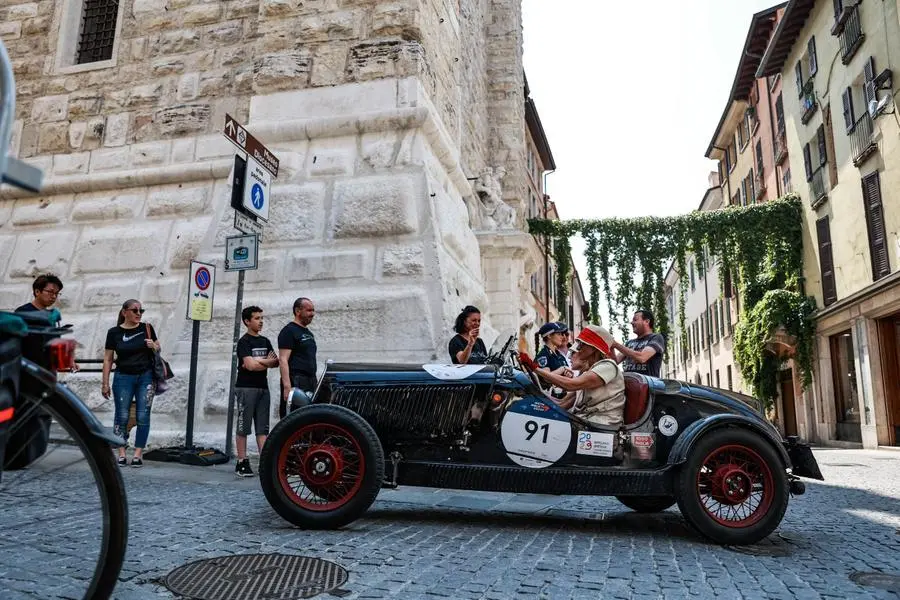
(733, 487)
(647, 504)
(321, 467)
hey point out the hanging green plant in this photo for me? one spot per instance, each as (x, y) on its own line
(759, 246)
(562, 256)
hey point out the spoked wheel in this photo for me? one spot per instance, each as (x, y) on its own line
(63, 516)
(321, 467)
(733, 488)
(647, 504)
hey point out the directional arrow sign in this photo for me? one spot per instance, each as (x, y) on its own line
(241, 138)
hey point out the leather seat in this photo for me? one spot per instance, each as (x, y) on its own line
(637, 396)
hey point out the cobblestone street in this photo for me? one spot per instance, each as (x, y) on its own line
(424, 543)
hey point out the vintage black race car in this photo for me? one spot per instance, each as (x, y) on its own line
(491, 427)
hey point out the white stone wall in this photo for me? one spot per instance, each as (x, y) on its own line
(380, 113)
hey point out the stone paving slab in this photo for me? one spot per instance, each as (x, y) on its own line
(430, 543)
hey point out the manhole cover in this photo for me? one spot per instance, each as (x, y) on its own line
(256, 577)
(883, 581)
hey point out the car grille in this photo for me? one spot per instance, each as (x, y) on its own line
(431, 411)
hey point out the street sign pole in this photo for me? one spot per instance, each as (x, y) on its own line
(234, 363)
(192, 385)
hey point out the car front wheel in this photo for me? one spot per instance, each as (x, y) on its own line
(733, 487)
(321, 467)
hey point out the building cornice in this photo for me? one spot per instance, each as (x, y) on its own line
(795, 15)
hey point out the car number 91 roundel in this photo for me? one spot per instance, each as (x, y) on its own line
(534, 435)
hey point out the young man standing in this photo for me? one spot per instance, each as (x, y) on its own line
(46, 289)
(297, 353)
(644, 354)
(251, 390)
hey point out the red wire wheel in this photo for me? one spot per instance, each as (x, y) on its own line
(321, 467)
(735, 485)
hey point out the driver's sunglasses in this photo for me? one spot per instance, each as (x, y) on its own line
(137, 311)
(576, 346)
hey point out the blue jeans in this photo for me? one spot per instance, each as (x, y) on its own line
(139, 388)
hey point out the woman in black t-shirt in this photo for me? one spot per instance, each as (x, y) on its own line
(466, 348)
(131, 344)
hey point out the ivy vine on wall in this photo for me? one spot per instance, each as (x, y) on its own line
(758, 245)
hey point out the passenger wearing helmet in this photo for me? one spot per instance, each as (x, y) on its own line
(598, 393)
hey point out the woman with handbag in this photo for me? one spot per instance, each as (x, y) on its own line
(133, 346)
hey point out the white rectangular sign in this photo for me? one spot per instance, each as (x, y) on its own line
(241, 252)
(246, 224)
(201, 286)
(257, 185)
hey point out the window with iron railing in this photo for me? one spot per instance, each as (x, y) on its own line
(862, 139)
(847, 26)
(818, 187)
(808, 102)
(98, 31)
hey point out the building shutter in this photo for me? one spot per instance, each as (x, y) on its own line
(779, 113)
(726, 284)
(838, 9)
(820, 139)
(751, 184)
(881, 265)
(826, 262)
(849, 117)
(807, 162)
(811, 50)
(869, 85)
(759, 158)
(798, 72)
(728, 317)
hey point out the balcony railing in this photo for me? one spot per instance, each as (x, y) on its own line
(808, 102)
(851, 33)
(759, 185)
(818, 187)
(780, 145)
(862, 139)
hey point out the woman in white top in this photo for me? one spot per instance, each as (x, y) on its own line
(596, 395)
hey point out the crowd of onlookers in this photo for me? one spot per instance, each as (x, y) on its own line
(585, 376)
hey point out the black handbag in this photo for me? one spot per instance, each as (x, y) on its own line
(162, 372)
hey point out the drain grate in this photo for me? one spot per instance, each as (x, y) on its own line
(256, 577)
(882, 581)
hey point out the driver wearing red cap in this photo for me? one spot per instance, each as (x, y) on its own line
(598, 393)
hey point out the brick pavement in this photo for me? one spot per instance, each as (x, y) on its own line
(425, 543)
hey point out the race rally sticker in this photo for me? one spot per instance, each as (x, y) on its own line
(591, 443)
(668, 425)
(534, 435)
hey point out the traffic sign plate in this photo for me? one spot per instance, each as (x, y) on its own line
(201, 288)
(242, 138)
(256, 189)
(246, 224)
(241, 252)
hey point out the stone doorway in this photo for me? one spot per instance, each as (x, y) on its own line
(889, 334)
(846, 392)
(788, 406)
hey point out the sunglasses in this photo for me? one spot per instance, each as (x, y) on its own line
(137, 311)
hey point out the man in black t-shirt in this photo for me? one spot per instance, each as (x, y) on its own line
(297, 353)
(645, 353)
(46, 290)
(251, 390)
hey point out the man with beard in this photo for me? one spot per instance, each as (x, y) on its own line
(644, 354)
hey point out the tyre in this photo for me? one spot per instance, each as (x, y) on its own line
(321, 467)
(647, 504)
(733, 488)
(54, 508)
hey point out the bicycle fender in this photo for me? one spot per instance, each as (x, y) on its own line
(38, 381)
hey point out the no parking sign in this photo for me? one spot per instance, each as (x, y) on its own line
(201, 287)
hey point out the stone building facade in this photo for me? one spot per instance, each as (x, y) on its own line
(400, 127)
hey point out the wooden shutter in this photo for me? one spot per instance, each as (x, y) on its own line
(849, 117)
(759, 158)
(813, 63)
(798, 72)
(807, 162)
(727, 290)
(728, 317)
(826, 262)
(869, 85)
(871, 186)
(751, 184)
(779, 113)
(823, 151)
(838, 9)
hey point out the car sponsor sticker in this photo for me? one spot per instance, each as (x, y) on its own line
(642, 445)
(534, 435)
(668, 425)
(451, 372)
(592, 443)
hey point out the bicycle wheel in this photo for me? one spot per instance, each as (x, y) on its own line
(63, 518)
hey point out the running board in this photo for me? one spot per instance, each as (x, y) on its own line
(603, 481)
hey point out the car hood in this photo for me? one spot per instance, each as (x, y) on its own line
(423, 373)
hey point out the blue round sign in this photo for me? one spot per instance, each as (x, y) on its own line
(257, 197)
